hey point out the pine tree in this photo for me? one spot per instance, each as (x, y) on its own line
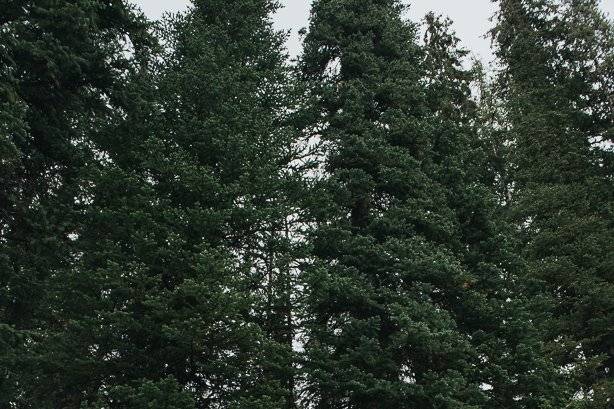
(414, 299)
(229, 73)
(154, 218)
(496, 312)
(189, 249)
(556, 81)
(380, 329)
(60, 66)
(229, 97)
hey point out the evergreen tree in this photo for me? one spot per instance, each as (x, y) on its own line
(496, 312)
(556, 81)
(413, 300)
(188, 251)
(228, 81)
(61, 63)
(381, 332)
(154, 218)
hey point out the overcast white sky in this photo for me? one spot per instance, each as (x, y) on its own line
(471, 18)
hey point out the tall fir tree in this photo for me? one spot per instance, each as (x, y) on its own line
(514, 371)
(152, 210)
(61, 63)
(188, 252)
(556, 82)
(228, 96)
(413, 300)
(380, 332)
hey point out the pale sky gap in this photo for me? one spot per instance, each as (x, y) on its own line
(471, 18)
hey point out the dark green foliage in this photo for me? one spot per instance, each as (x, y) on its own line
(176, 267)
(496, 312)
(556, 82)
(60, 61)
(60, 65)
(166, 394)
(412, 301)
(379, 334)
(225, 96)
(187, 252)
(187, 221)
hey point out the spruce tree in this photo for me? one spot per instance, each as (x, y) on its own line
(413, 299)
(380, 331)
(556, 82)
(189, 249)
(496, 312)
(61, 63)
(229, 98)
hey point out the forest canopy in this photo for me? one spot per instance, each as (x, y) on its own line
(191, 219)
